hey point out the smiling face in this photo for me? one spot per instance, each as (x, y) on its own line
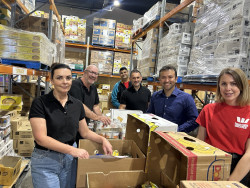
(136, 79)
(62, 80)
(229, 90)
(90, 75)
(124, 74)
(168, 79)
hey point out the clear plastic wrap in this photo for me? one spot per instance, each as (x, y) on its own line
(221, 37)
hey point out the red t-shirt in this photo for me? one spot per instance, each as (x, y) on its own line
(126, 84)
(228, 127)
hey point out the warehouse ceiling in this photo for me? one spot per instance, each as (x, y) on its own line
(135, 6)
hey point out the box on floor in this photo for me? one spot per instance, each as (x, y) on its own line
(172, 157)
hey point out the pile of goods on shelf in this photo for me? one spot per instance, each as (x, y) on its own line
(221, 37)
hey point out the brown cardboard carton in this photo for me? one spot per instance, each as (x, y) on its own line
(211, 184)
(137, 162)
(172, 157)
(24, 131)
(9, 169)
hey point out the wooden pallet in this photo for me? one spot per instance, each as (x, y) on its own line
(27, 64)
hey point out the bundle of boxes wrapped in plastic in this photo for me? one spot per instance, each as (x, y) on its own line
(123, 36)
(103, 60)
(39, 22)
(121, 60)
(103, 32)
(221, 37)
(75, 28)
(75, 60)
(175, 47)
(29, 4)
(146, 64)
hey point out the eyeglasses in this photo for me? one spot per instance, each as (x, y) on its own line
(91, 72)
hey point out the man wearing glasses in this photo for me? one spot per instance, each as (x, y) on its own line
(85, 90)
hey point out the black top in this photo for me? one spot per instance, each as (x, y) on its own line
(88, 97)
(136, 100)
(62, 122)
(122, 88)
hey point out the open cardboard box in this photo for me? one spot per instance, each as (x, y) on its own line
(136, 140)
(137, 162)
(172, 157)
(211, 184)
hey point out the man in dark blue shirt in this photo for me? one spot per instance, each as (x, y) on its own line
(172, 103)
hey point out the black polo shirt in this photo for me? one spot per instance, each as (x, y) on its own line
(88, 97)
(136, 100)
(62, 122)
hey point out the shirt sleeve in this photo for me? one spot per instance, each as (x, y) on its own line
(37, 109)
(191, 114)
(123, 97)
(114, 99)
(151, 108)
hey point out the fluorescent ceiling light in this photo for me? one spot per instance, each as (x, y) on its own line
(116, 3)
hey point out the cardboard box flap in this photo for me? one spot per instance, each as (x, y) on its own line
(119, 179)
(211, 184)
(139, 127)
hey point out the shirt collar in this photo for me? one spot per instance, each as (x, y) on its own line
(174, 93)
(52, 97)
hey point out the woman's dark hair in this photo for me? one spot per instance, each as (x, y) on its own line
(55, 66)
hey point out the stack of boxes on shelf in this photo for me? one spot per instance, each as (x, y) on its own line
(29, 4)
(197, 5)
(103, 32)
(104, 94)
(16, 136)
(75, 29)
(221, 37)
(121, 60)
(75, 60)
(5, 16)
(26, 46)
(41, 24)
(103, 60)
(175, 47)
(123, 36)
(152, 14)
(149, 49)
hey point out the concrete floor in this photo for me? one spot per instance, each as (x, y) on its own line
(25, 181)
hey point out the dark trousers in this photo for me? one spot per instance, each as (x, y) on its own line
(235, 160)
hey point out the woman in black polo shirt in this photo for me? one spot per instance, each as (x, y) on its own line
(55, 119)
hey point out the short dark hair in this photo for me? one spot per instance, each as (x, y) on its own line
(168, 67)
(134, 71)
(123, 68)
(55, 66)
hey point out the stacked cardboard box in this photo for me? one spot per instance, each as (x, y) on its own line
(123, 36)
(211, 184)
(76, 60)
(121, 60)
(152, 14)
(149, 49)
(103, 60)
(221, 37)
(27, 100)
(26, 46)
(29, 4)
(137, 25)
(75, 28)
(103, 32)
(172, 157)
(175, 48)
(23, 140)
(5, 16)
(10, 102)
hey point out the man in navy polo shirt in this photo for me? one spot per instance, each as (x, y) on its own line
(136, 97)
(172, 103)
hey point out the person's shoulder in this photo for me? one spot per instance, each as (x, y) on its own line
(157, 93)
(212, 106)
(76, 81)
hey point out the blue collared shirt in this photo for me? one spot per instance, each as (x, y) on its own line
(179, 108)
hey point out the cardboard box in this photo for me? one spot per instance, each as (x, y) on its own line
(169, 161)
(112, 164)
(122, 114)
(24, 131)
(211, 184)
(140, 126)
(9, 169)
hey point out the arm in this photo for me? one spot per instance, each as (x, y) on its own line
(122, 106)
(88, 134)
(114, 99)
(40, 134)
(202, 133)
(243, 166)
(191, 113)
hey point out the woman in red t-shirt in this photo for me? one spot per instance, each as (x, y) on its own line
(226, 123)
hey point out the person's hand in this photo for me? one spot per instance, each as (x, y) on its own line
(80, 153)
(107, 147)
(104, 119)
